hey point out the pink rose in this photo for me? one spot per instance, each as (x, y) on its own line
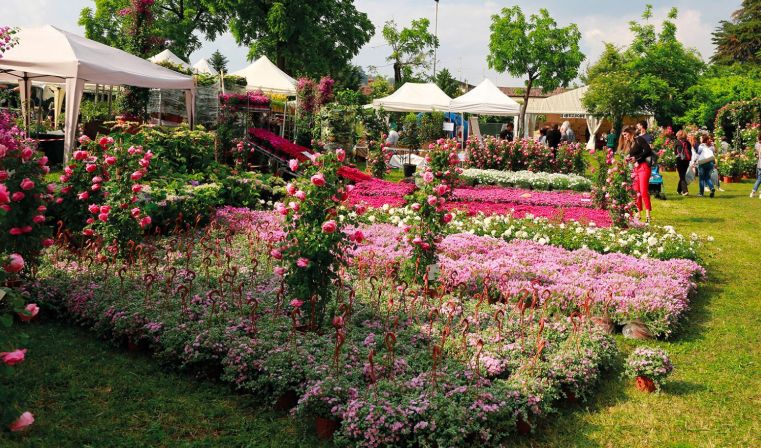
(51, 187)
(135, 212)
(14, 357)
(16, 231)
(358, 236)
(83, 140)
(38, 219)
(137, 188)
(18, 196)
(301, 195)
(16, 264)
(93, 208)
(89, 220)
(83, 196)
(329, 226)
(340, 155)
(279, 270)
(145, 222)
(291, 189)
(43, 161)
(24, 421)
(97, 179)
(302, 262)
(110, 160)
(104, 217)
(360, 208)
(276, 254)
(415, 207)
(80, 155)
(148, 155)
(447, 218)
(296, 303)
(105, 141)
(105, 209)
(47, 242)
(30, 311)
(4, 175)
(318, 180)
(432, 200)
(293, 164)
(4, 194)
(90, 167)
(428, 177)
(26, 184)
(26, 153)
(136, 175)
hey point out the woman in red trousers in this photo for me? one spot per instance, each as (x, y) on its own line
(639, 150)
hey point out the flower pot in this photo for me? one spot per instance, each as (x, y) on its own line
(727, 179)
(286, 401)
(604, 323)
(51, 144)
(644, 384)
(636, 330)
(409, 169)
(523, 426)
(325, 427)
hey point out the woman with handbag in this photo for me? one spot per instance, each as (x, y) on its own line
(639, 150)
(683, 150)
(703, 160)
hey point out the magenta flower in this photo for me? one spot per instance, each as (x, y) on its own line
(302, 262)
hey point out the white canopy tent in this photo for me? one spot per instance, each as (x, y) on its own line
(415, 97)
(485, 99)
(48, 54)
(263, 74)
(168, 56)
(566, 103)
(202, 66)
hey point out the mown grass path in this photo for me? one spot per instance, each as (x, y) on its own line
(85, 392)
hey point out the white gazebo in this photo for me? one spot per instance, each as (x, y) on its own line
(203, 66)
(48, 54)
(415, 97)
(486, 99)
(263, 74)
(168, 56)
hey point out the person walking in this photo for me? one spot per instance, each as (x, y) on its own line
(566, 133)
(683, 150)
(642, 132)
(639, 149)
(543, 135)
(554, 136)
(612, 140)
(703, 160)
(758, 166)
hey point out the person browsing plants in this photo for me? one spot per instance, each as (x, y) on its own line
(639, 150)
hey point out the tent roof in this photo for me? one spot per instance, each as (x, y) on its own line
(263, 74)
(485, 99)
(49, 54)
(415, 97)
(202, 66)
(168, 56)
(564, 103)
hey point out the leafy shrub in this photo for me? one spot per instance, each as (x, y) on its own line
(652, 363)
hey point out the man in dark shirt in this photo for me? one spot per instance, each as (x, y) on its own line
(507, 132)
(642, 132)
(554, 136)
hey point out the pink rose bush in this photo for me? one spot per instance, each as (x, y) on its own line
(526, 154)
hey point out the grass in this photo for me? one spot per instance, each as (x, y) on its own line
(85, 392)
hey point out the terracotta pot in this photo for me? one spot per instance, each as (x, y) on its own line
(287, 401)
(523, 426)
(325, 427)
(636, 330)
(604, 323)
(727, 179)
(644, 384)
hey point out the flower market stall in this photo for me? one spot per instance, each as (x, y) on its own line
(52, 55)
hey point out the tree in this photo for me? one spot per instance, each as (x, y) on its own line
(175, 22)
(548, 56)
(311, 38)
(611, 91)
(411, 48)
(739, 40)
(379, 87)
(447, 83)
(218, 62)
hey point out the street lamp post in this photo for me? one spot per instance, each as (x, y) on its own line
(436, 35)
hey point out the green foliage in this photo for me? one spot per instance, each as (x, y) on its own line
(613, 188)
(447, 83)
(411, 48)
(611, 91)
(176, 67)
(431, 127)
(377, 159)
(92, 111)
(218, 61)
(410, 136)
(548, 56)
(304, 38)
(178, 22)
(380, 87)
(739, 39)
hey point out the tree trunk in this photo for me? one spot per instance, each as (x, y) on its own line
(397, 74)
(524, 107)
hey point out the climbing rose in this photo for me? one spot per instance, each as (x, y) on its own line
(26, 184)
(329, 226)
(4, 197)
(30, 311)
(340, 154)
(14, 357)
(318, 180)
(293, 164)
(23, 422)
(16, 264)
(302, 262)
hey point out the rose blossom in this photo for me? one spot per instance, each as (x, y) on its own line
(301, 195)
(30, 311)
(26, 184)
(291, 189)
(104, 217)
(91, 167)
(24, 421)
(329, 226)
(80, 155)
(4, 197)
(110, 160)
(4, 175)
(93, 208)
(83, 196)
(145, 221)
(296, 303)
(18, 196)
(340, 154)
(47, 242)
(14, 357)
(16, 263)
(135, 212)
(136, 175)
(293, 164)
(38, 219)
(279, 270)
(276, 254)
(318, 180)
(302, 262)
(26, 153)
(428, 177)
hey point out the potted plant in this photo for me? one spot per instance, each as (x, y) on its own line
(649, 367)
(411, 140)
(93, 116)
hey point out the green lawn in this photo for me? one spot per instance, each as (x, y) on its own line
(84, 392)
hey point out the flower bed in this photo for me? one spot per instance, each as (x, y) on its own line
(527, 179)
(278, 144)
(523, 197)
(526, 154)
(394, 367)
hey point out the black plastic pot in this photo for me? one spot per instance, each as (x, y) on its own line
(52, 145)
(409, 169)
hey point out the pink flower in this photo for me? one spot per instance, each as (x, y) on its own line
(137, 188)
(16, 264)
(24, 421)
(358, 236)
(428, 177)
(136, 175)
(4, 196)
(30, 311)
(276, 254)
(432, 200)
(83, 196)
(296, 303)
(26, 184)
(80, 155)
(16, 231)
(293, 164)
(18, 196)
(104, 217)
(302, 262)
(301, 195)
(105, 209)
(340, 155)
(145, 222)
(14, 357)
(291, 189)
(318, 180)
(38, 219)
(447, 218)
(26, 153)
(105, 141)
(93, 208)
(4, 175)
(47, 242)
(295, 206)
(97, 179)
(110, 160)
(95, 187)
(91, 167)
(279, 270)
(135, 212)
(329, 226)
(43, 161)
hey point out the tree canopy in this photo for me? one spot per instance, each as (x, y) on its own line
(218, 61)
(547, 55)
(175, 24)
(411, 48)
(447, 83)
(303, 38)
(739, 39)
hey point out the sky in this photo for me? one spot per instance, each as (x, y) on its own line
(463, 27)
